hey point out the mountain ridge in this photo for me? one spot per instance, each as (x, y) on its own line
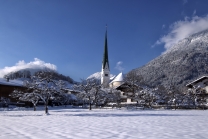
(185, 61)
(28, 72)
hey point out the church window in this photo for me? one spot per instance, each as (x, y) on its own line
(106, 74)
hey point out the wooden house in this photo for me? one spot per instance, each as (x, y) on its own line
(202, 84)
(8, 86)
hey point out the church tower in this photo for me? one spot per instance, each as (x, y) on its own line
(105, 72)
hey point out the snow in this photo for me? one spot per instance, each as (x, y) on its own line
(191, 41)
(11, 82)
(70, 123)
(118, 78)
(97, 76)
(20, 82)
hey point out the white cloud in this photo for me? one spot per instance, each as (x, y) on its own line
(36, 64)
(183, 29)
(118, 66)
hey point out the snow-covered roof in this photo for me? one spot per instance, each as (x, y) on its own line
(118, 78)
(197, 80)
(11, 82)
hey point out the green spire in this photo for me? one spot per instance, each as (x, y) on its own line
(105, 55)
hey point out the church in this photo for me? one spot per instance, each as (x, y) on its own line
(105, 72)
(116, 82)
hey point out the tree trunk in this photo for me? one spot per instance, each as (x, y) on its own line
(90, 106)
(194, 105)
(46, 107)
(149, 103)
(34, 106)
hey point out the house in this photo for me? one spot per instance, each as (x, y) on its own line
(8, 86)
(126, 89)
(201, 83)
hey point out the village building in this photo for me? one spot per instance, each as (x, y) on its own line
(118, 81)
(201, 83)
(105, 72)
(7, 87)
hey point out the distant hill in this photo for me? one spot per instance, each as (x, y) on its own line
(97, 76)
(179, 65)
(27, 73)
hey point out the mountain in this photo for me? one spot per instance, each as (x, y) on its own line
(182, 63)
(27, 73)
(97, 76)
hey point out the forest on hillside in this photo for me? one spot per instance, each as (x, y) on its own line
(28, 74)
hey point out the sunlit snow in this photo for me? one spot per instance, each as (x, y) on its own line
(66, 123)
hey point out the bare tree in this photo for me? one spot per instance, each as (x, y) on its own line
(202, 99)
(89, 91)
(196, 96)
(4, 101)
(161, 95)
(41, 87)
(32, 97)
(146, 97)
(50, 89)
(110, 95)
(190, 97)
(134, 81)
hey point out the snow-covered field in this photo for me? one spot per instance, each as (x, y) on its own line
(66, 123)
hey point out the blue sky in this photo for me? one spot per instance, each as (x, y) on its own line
(70, 34)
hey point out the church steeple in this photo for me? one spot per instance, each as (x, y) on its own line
(105, 72)
(105, 55)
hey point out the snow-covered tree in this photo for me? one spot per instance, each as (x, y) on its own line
(133, 82)
(4, 101)
(41, 87)
(146, 97)
(175, 97)
(116, 96)
(109, 95)
(196, 97)
(161, 95)
(32, 97)
(50, 89)
(92, 92)
(202, 99)
(190, 98)
(89, 91)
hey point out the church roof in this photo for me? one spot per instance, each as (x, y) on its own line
(105, 55)
(118, 78)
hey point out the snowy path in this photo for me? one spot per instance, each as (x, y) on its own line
(103, 124)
